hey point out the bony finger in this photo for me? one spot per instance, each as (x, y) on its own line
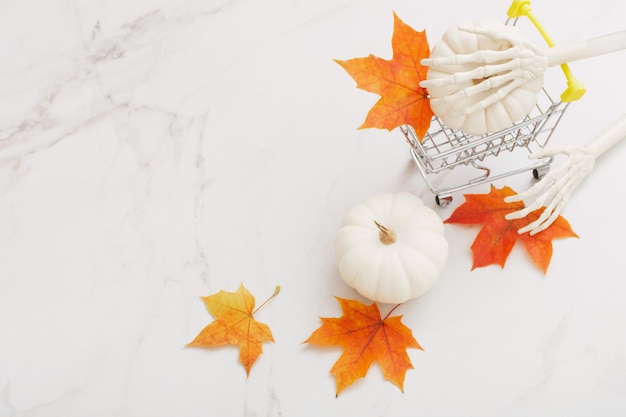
(547, 217)
(556, 212)
(525, 229)
(535, 226)
(545, 224)
(477, 30)
(496, 35)
(426, 62)
(513, 198)
(467, 28)
(535, 189)
(528, 228)
(516, 214)
(444, 60)
(498, 95)
(541, 227)
(549, 152)
(437, 82)
(425, 84)
(540, 154)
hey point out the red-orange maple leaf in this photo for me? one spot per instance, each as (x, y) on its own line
(496, 239)
(235, 325)
(402, 100)
(366, 338)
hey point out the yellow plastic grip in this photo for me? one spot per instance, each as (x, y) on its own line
(575, 89)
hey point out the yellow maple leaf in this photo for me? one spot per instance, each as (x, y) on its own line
(235, 325)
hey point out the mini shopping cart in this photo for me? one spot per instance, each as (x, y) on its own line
(443, 148)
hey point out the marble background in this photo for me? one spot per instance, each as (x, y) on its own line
(156, 151)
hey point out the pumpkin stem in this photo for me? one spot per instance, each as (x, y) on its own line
(386, 236)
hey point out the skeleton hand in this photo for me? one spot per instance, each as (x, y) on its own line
(555, 188)
(497, 72)
(486, 76)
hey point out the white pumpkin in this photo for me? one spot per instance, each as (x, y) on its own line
(499, 115)
(391, 248)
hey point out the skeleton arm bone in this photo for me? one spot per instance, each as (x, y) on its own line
(589, 48)
(557, 186)
(608, 138)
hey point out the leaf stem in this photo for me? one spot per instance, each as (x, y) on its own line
(276, 291)
(391, 311)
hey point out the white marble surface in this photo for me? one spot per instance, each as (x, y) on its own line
(152, 152)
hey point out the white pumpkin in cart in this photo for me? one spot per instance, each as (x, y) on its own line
(391, 248)
(481, 111)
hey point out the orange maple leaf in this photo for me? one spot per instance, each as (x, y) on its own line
(366, 338)
(496, 239)
(235, 325)
(402, 100)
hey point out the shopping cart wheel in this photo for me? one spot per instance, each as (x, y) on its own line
(540, 172)
(443, 199)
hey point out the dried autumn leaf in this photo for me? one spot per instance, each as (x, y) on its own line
(496, 239)
(402, 100)
(235, 325)
(366, 338)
